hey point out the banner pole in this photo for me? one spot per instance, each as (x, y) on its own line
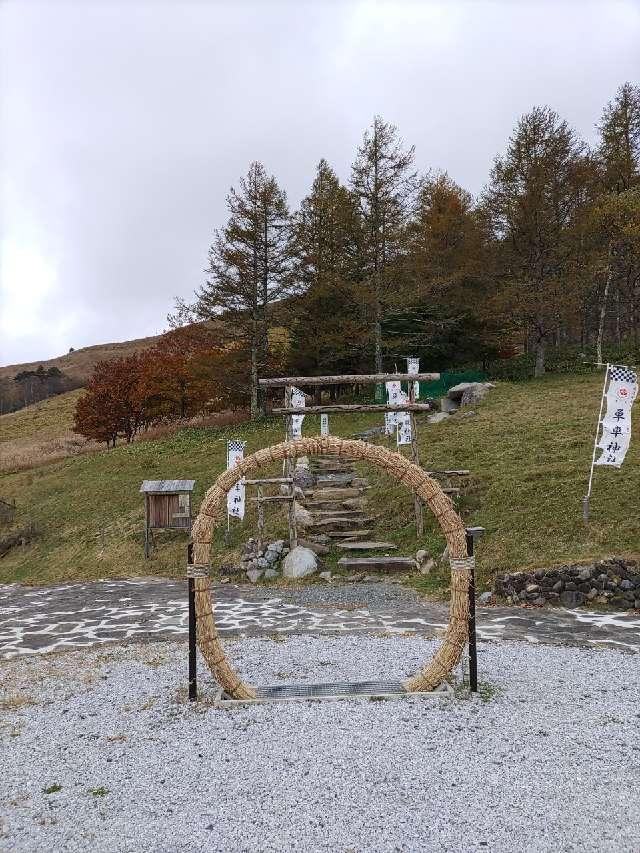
(585, 500)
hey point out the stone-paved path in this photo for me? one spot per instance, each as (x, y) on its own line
(43, 619)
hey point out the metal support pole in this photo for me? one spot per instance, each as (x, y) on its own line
(471, 534)
(415, 458)
(193, 671)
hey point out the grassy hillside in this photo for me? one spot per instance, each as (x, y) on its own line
(41, 434)
(528, 447)
(79, 364)
(50, 418)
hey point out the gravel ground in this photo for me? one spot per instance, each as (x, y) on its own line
(547, 761)
(373, 596)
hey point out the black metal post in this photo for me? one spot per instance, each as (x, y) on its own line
(193, 672)
(473, 651)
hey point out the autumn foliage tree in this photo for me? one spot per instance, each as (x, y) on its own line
(113, 405)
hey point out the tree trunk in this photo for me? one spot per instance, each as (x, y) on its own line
(255, 411)
(540, 356)
(603, 311)
(377, 335)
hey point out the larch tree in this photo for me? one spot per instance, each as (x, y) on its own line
(534, 197)
(448, 269)
(327, 331)
(249, 268)
(384, 187)
(618, 157)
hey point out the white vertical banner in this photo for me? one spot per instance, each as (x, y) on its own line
(413, 366)
(324, 424)
(620, 395)
(394, 394)
(235, 495)
(298, 401)
(403, 422)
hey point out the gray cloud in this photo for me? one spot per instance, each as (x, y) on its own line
(125, 124)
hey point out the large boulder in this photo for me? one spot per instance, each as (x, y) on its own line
(299, 563)
(469, 393)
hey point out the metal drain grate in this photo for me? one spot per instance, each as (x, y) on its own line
(331, 690)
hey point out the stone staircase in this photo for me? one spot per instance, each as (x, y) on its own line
(338, 506)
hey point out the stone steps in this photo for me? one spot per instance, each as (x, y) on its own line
(348, 534)
(334, 494)
(377, 564)
(334, 480)
(337, 513)
(335, 524)
(366, 545)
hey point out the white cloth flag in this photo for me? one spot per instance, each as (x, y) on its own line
(404, 428)
(403, 422)
(616, 424)
(235, 495)
(413, 366)
(324, 424)
(394, 395)
(298, 401)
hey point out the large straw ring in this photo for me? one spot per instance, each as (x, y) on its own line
(213, 510)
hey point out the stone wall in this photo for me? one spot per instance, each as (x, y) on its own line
(613, 582)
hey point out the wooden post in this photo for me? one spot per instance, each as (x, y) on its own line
(415, 458)
(146, 526)
(288, 471)
(260, 506)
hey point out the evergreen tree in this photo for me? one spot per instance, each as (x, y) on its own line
(619, 149)
(613, 263)
(384, 187)
(249, 268)
(327, 332)
(448, 270)
(535, 195)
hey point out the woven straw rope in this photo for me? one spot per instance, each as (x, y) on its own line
(212, 513)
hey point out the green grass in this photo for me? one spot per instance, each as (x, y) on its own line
(528, 448)
(47, 419)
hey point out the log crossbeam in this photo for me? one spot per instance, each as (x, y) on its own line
(356, 407)
(368, 379)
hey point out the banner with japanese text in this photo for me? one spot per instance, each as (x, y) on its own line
(298, 401)
(235, 495)
(620, 395)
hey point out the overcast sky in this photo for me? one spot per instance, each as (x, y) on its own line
(123, 125)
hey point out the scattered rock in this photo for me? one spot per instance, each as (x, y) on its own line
(571, 598)
(303, 517)
(303, 479)
(254, 575)
(486, 598)
(426, 566)
(326, 576)
(299, 563)
(312, 545)
(270, 574)
(438, 417)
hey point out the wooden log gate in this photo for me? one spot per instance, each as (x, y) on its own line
(291, 382)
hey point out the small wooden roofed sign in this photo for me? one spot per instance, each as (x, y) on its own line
(167, 506)
(157, 487)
